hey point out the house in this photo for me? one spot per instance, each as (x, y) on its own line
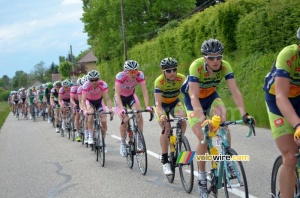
(56, 77)
(34, 84)
(89, 61)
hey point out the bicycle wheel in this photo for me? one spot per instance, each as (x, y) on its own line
(172, 161)
(141, 152)
(275, 179)
(44, 114)
(239, 180)
(130, 151)
(186, 171)
(100, 149)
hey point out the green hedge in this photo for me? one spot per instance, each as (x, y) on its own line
(252, 31)
(4, 111)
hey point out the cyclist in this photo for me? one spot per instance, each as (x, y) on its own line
(92, 91)
(15, 100)
(40, 98)
(47, 94)
(282, 95)
(54, 102)
(64, 100)
(201, 98)
(125, 84)
(79, 94)
(30, 99)
(76, 108)
(166, 92)
(23, 99)
(9, 100)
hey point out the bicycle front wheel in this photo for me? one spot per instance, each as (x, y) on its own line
(141, 152)
(186, 171)
(172, 160)
(100, 148)
(236, 178)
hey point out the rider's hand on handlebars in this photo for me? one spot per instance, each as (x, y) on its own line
(149, 108)
(248, 119)
(297, 134)
(163, 118)
(122, 112)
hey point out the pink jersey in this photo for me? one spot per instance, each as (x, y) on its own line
(73, 92)
(79, 90)
(127, 85)
(64, 94)
(94, 93)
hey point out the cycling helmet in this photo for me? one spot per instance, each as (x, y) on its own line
(57, 83)
(30, 90)
(65, 83)
(93, 74)
(79, 81)
(212, 46)
(168, 63)
(49, 85)
(298, 34)
(131, 65)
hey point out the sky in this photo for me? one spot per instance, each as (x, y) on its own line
(32, 31)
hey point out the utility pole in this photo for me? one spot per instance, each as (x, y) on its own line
(123, 30)
(72, 62)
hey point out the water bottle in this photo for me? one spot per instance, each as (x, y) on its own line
(215, 121)
(172, 143)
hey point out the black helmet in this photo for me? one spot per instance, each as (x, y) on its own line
(298, 34)
(212, 46)
(168, 63)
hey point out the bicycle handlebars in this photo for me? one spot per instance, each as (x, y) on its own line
(137, 111)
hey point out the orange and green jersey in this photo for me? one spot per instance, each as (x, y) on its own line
(170, 90)
(287, 65)
(207, 83)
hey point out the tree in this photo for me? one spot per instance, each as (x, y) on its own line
(102, 22)
(20, 80)
(6, 81)
(65, 69)
(39, 71)
(53, 68)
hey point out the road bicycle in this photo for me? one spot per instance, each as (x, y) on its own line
(44, 111)
(135, 142)
(275, 177)
(225, 173)
(33, 111)
(99, 143)
(179, 144)
(68, 124)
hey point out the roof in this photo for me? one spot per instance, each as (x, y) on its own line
(34, 84)
(88, 58)
(56, 77)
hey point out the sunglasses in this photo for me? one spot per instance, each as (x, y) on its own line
(94, 80)
(212, 58)
(171, 70)
(132, 71)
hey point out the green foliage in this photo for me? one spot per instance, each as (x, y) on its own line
(4, 94)
(143, 18)
(4, 111)
(252, 31)
(65, 68)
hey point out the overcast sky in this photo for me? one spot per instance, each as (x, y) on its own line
(32, 31)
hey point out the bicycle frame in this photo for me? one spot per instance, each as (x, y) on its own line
(222, 134)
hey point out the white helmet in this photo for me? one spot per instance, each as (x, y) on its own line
(65, 83)
(78, 81)
(93, 74)
(131, 65)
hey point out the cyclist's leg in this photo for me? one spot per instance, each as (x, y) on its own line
(179, 111)
(123, 129)
(284, 139)
(90, 135)
(136, 105)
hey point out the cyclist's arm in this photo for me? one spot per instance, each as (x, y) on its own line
(83, 101)
(282, 87)
(51, 99)
(236, 94)
(72, 100)
(118, 95)
(194, 95)
(60, 100)
(108, 101)
(145, 94)
(158, 102)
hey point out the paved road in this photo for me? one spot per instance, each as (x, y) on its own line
(37, 162)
